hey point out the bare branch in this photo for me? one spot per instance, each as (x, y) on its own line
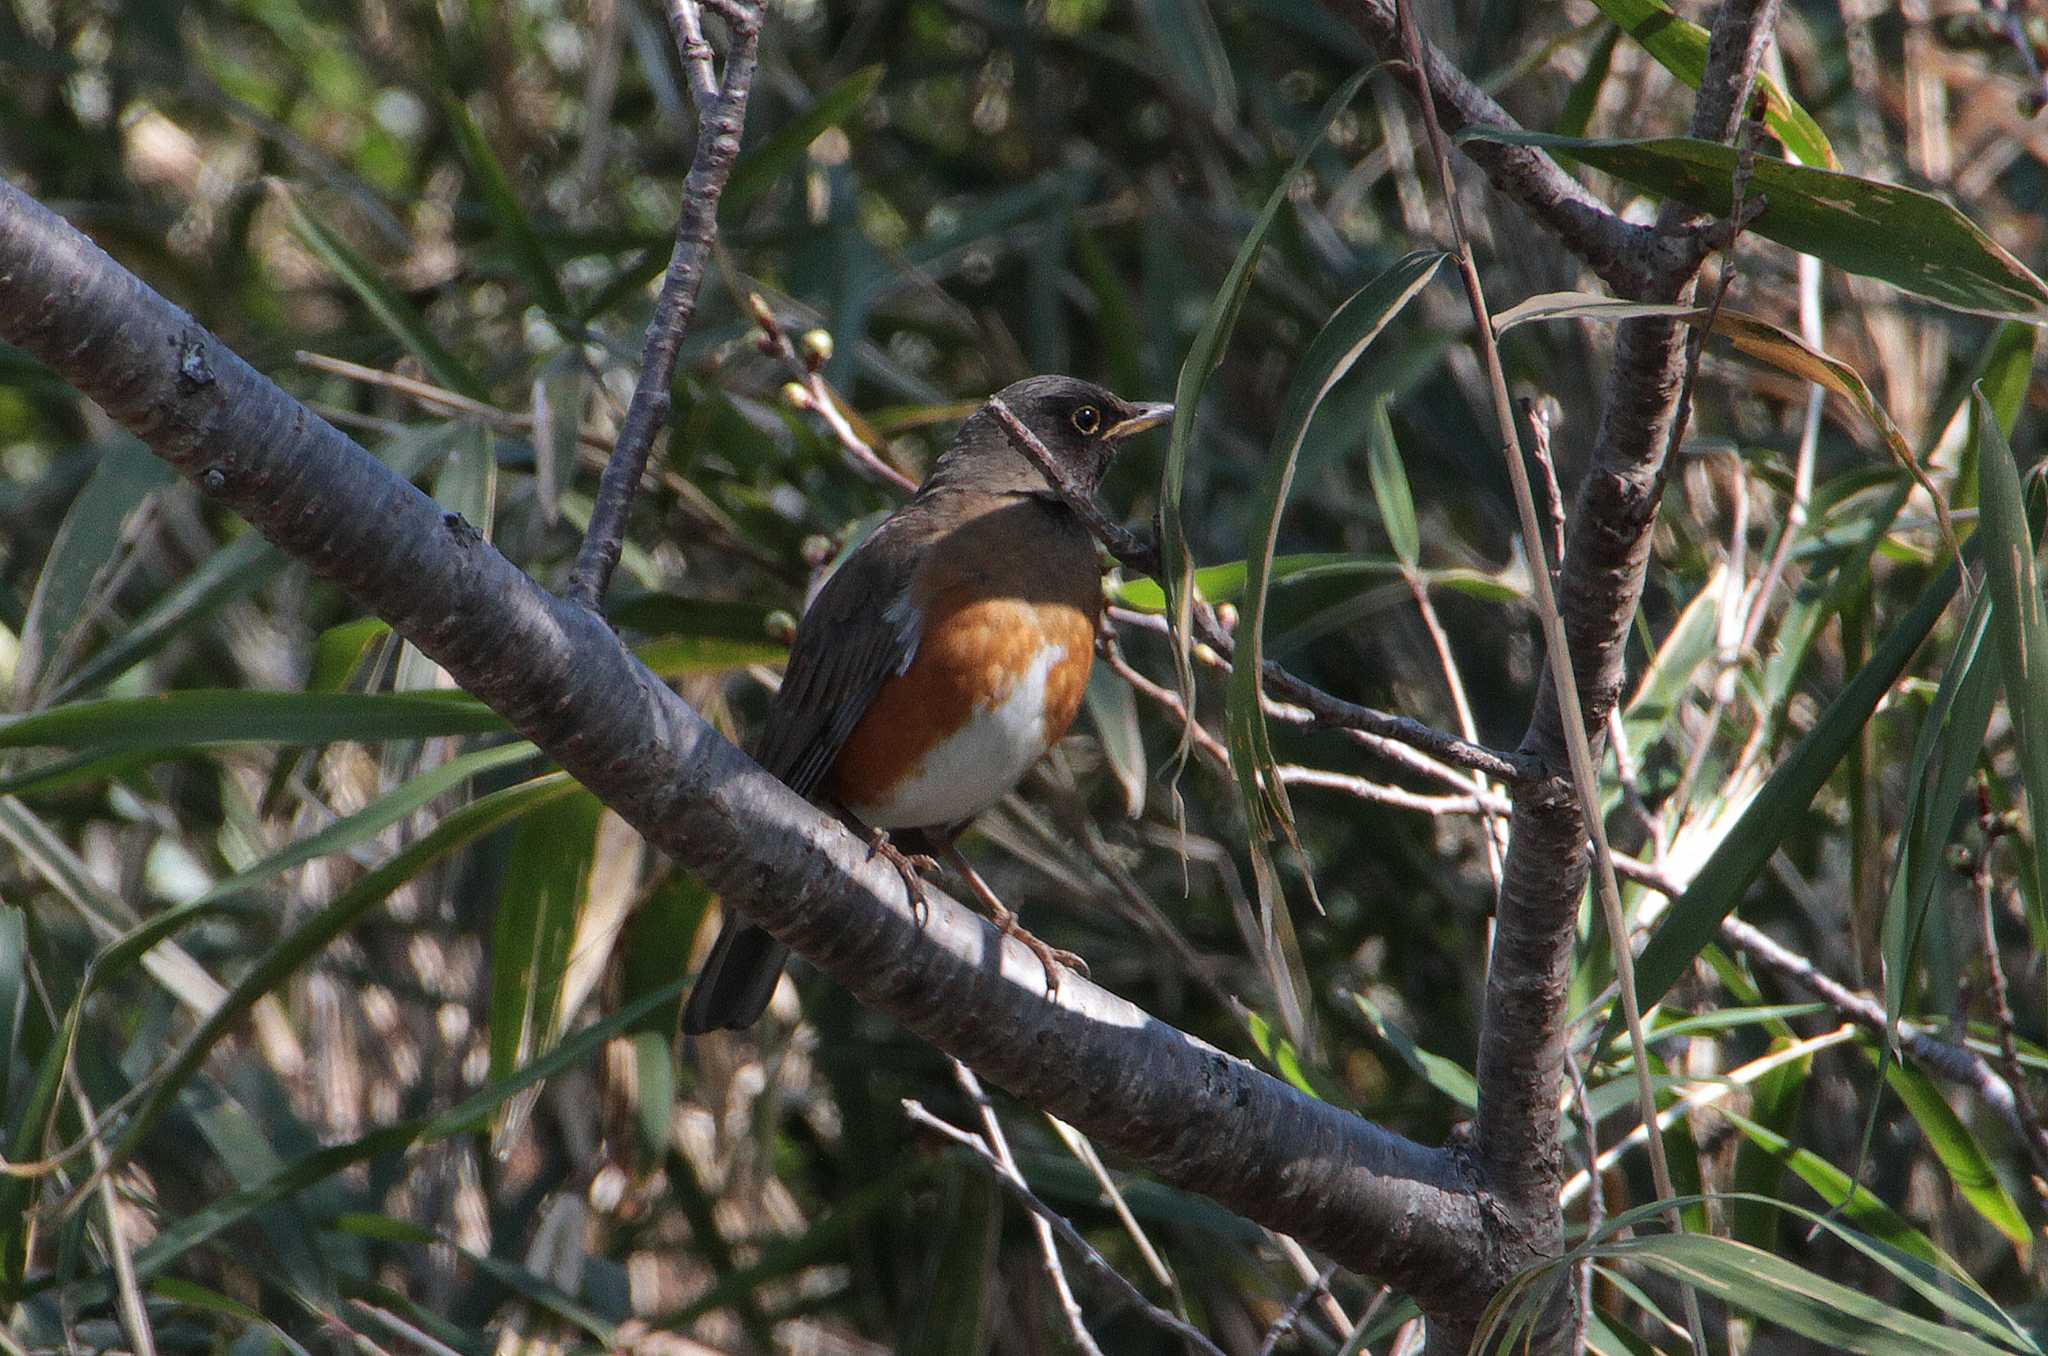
(999, 1146)
(719, 123)
(1012, 1182)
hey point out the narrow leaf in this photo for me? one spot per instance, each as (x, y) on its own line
(1912, 240)
(1680, 47)
(1331, 354)
(1582, 306)
(393, 311)
(529, 256)
(1786, 351)
(2017, 617)
(1390, 488)
(1177, 566)
(1968, 1166)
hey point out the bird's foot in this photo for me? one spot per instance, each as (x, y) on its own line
(1050, 958)
(911, 866)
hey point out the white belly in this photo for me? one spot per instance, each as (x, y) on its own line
(971, 771)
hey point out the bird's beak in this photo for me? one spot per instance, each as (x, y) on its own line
(1142, 417)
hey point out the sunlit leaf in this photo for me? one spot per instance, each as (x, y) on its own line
(1912, 240)
(1680, 46)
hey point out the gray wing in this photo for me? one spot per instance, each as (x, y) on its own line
(858, 632)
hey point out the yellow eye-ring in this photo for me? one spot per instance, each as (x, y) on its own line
(1087, 419)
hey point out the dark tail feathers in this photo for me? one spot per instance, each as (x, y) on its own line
(737, 982)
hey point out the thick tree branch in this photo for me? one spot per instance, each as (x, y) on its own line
(720, 120)
(1600, 583)
(1625, 255)
(1200, 1119)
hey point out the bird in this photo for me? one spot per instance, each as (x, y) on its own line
(941, 659)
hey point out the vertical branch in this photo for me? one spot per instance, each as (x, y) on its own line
(721, 116)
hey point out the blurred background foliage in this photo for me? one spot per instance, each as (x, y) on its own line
(371, 923)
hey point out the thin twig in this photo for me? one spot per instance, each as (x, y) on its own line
(810, 391)
(1596, 1197)
(1082, 1149)
(999, 1144)
(1068, 1234)
(1994, 827)
(719, 123)
(1291, 1315)
(2012, 26)
(1493, 833)
(1396, 738)
(1305, 1269)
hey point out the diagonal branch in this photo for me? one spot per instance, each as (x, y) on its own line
(1627, 256)
(1201, 1120)
(720, 119)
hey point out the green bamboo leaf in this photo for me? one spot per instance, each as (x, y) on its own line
(13, 989)
(339, 652)
(1777, 1291)
(204, 717)
(547, 874)
(1390, 487)
(1786, 351)
(1968, 1166)
(501, 200)
(393, 311)
(1945, 754)
(1177, 566)
(1695, 916)
(1836, 1187)
(1912, 240)
(1680, 47)
(1450, 1078)
(683, 656)
(777, 154)
(1343, 339)
(2018, 619)
(235, 571)
(1184, 34)
(1584, 96)
(1113, 711)
(391, 808)
(86, 542)
(1952, 1294)
(1225, 583)
(192, 1295)
(1582, 306)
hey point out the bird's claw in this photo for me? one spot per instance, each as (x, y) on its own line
(911, 866)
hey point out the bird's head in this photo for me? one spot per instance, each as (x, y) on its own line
(1080, 424)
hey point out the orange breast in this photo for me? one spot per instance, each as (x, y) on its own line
(993, 684)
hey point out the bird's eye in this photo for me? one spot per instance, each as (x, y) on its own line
(1087, 419)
